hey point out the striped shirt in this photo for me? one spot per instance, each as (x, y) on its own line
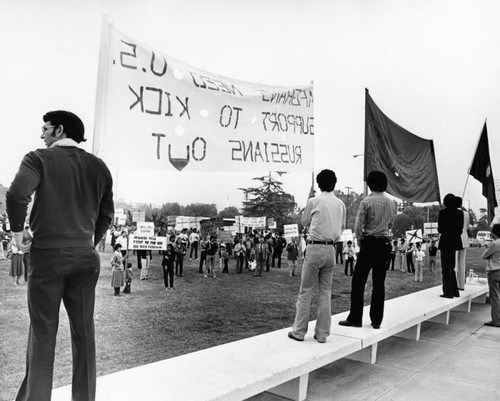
(375, 216)
(325, 216)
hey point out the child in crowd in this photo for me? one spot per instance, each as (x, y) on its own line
(168, 266)
(432, 257)
(224, 257)
(117, 279)
(129, 275)
(292, 256)
(349, 254)
(16, 262)
(419, 263)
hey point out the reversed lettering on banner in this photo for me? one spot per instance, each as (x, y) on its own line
(168, 115)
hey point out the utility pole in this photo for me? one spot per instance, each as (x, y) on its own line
(347, 207)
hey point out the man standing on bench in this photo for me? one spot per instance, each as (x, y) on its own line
(325, 216)
(375, 216)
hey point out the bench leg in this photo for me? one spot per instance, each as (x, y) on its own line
(295, 389)
(419, 327)
(373, 358)
(447, 317)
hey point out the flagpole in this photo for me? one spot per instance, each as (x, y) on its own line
(472, 161)
(101, 89)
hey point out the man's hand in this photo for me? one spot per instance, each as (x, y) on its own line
(18, 240)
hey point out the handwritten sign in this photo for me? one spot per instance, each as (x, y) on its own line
(169, 115)
(147, 242)
(138, 216)
(290, 230)
(145, 229)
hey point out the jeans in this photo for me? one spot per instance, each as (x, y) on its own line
(494, 284)
(70, 275)
(194, 247)
(317, 272)
(349, 262)
(168, 274)
(419, 270)
(460, 268)
(373, 256)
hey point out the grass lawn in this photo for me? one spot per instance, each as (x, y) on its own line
(152, 324)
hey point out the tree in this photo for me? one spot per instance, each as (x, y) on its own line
(200, 210)
(228, 213)
(351, 202)
(268, 200)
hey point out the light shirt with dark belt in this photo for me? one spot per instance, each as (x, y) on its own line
(325, 216)
(375, 216)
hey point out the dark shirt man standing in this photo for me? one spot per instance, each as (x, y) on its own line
(325, 216)
(72, 208)
(374, 219)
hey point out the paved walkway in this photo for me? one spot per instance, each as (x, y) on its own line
(459, 361)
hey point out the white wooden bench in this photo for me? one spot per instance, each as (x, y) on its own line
(269, 362)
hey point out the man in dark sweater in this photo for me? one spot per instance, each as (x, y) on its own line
(72, 208)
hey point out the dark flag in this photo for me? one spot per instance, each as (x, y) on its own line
(407, 160)
(480, 169)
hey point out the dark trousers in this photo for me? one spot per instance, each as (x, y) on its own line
(349, 261)
(409, 263)
(391, 261)
(179, 265)
(277, 255)
(450, 287)
(26, 263)
(194, 247)
(240, 259)
(373, 256)
(338, 255)
(168, 274)
(203, 258)
(226, 267)
(70, 275)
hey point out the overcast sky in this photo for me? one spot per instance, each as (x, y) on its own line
(431, 66)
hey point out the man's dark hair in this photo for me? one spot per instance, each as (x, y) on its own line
(326, 180)
(376, 181)
(450, 202)
(458, 201)
(496, 229)
(73, 126)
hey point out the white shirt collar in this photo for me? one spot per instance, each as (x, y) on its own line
(64, 142)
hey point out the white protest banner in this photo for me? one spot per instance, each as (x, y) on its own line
(290, 230)
(347, 235)
(168, 115)
(147, 242)
(413, 236)
(145, 229)
(138, 216)
(430, 228)
(254, 222)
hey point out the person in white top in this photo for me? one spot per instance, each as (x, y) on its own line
(419, 255)
(460, 255)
